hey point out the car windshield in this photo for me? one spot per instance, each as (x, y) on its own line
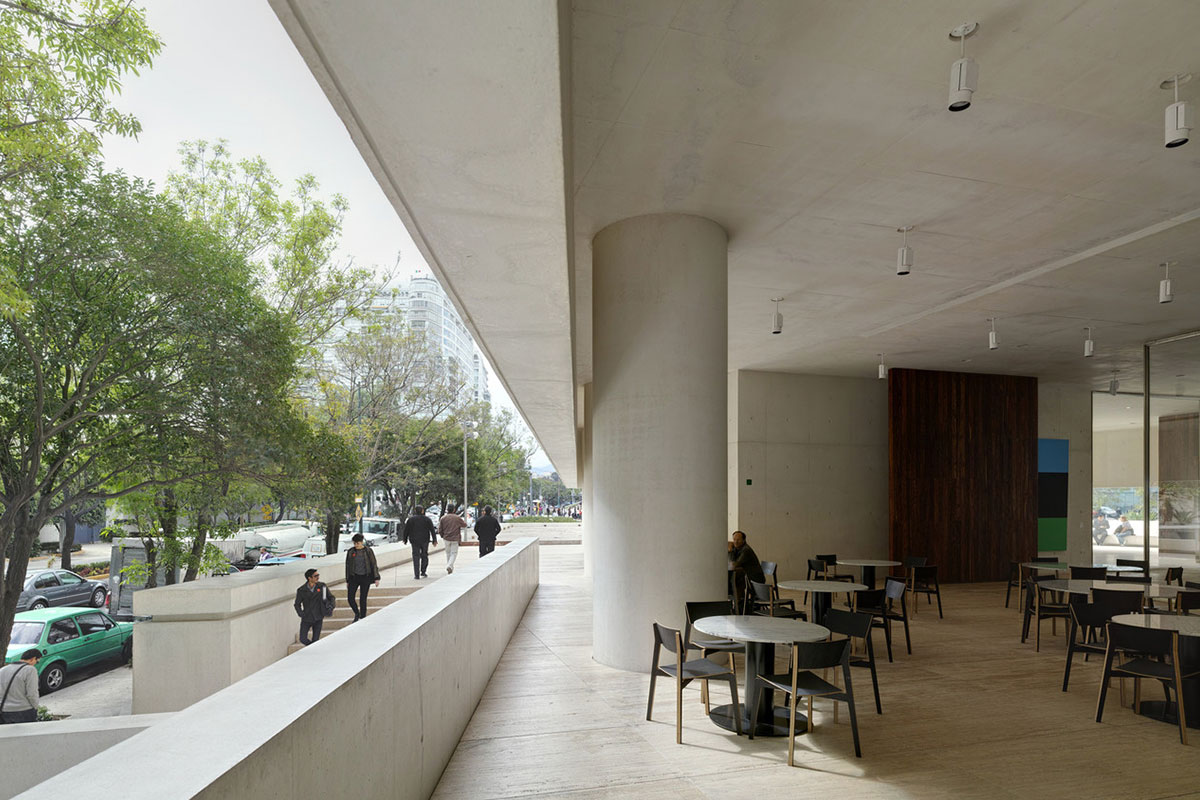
(26, 633)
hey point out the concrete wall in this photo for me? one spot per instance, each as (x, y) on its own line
(239, 623)
(376, 711)
(1117, 457)
(816, 450)
(37, 751)
(1065, 412)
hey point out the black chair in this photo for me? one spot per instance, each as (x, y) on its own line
(873, 603)
(894, 592)
(1124, 578)
(771, 573)
(1187, 601)
(856, 626)
(1014, 579)
(1157, 658)
(1134, 562)
(765, 604)
(1174, 575)
(1088, 573)
(801, 681)
(1088, 623)
(1119, 601)
(684, 672)
(1040, 605)
(915, 561)
(819, 570)
(703, 642)
(924, 581)
(1192, 584)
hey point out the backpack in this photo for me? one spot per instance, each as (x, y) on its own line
(330, 601)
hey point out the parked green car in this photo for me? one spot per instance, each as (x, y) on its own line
(69, 638)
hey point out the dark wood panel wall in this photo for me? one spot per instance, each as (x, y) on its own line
(962, 455)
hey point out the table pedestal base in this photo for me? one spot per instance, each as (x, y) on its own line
(1158, 710)
(776, 726)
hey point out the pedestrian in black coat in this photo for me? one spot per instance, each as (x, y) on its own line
(487, 529)
(419, 533)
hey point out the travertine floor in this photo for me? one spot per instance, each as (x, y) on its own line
(972, 713)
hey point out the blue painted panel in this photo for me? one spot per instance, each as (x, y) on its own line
(1052, 455)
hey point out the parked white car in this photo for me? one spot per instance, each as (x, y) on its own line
(314, 546)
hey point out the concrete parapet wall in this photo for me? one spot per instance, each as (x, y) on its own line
(379, 708)
(36, 751)
(206, 635)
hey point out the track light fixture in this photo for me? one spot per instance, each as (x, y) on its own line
(993, 340)
(1179, 120)
(1114, 384)
(964, 74)
(1164, 286)
(1089, 347)
(904, 256)
(777, 318)
(882, 368)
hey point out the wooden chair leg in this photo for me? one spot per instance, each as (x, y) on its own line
(678, 709)
(811, 724)
(650, 702)
(792, 733)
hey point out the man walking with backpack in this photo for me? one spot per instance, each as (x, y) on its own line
(312, 601)
(19, 684)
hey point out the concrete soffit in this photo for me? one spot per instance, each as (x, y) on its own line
(461, 112)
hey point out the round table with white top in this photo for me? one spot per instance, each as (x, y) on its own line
(822, 594)
(868, 566)
(760, 635)
(1188, 628)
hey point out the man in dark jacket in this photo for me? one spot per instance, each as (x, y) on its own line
(361, 571)
(420, 533)
(310, 606)
(487, 529)
(746, 567)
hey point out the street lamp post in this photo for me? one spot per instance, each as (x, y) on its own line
(468, 433)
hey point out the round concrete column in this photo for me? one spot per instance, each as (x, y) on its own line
(585, 446)
(659, 441)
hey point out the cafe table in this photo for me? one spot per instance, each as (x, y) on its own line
(1153, 591)
(1189, 652)
(868, 566)
(760, 635)
(822, 593)
(1057, 566)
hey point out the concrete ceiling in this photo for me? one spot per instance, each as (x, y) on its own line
(812, 129)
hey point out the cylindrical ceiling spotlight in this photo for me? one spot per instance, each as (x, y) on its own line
(904, 256)
(1179, 121)
(1089, 347)
(964, 74)
(1164, 286)
(993, 340)
(776, 318)
(882, 368)
(1114, 384)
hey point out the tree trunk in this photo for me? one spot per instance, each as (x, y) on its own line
(151, 563)
(68, 537)
(282, 505)
(168, 520)
(198, 542)
(14, 579)
(333, 524)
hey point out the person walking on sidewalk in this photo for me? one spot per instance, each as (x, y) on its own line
(450, 528)
(19, 687)
(487, 529)
(361, 570)
(419, 532)
(310, 606)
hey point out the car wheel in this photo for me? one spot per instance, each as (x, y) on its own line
(38, 604)
(127, 651)
(54, 677)
(98, 598)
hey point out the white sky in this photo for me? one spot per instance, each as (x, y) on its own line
(227, 70)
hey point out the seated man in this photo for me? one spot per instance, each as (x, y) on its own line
(1099, 527)
(1123, 530)
(746, 567)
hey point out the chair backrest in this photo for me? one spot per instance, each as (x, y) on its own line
(869, 598)
(848, 623)
(830, 558)
(1044, 559)
(1091, 615)
(1128, 579)
(894, 588)
(915, 561)
(1118, 600)
(699, 609)
(1187, 601)
(667, 637)
(816, 565)
(1088, 573)
(1174, 575)
(1148, 641)
(925, 574)
(821, 655)
(761, 592)
(768, 568)
(1192, 585)
(1132, 562)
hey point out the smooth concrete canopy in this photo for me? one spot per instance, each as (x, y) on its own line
(658, 444)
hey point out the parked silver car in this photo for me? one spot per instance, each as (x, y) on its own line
(60, 587)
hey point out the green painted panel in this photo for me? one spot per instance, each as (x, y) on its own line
(1052, 534)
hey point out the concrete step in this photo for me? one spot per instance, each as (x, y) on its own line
(343, 615)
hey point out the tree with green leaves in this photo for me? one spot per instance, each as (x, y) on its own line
(60, 64)
(143, 328)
